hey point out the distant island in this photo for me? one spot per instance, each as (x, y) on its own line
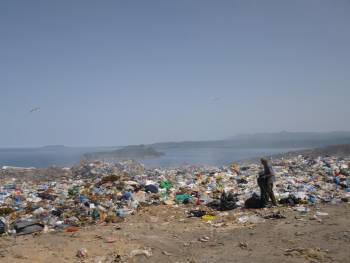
(135, 152)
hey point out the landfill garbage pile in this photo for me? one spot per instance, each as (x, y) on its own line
(99, 192)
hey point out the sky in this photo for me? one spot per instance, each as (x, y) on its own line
(130, 72)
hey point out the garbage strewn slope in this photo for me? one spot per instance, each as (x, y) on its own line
(95, 192)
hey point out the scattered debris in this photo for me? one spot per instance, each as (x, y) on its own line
(318, 213)
(110, 239)
(250, 219)
(204, 239)
(197, 213)
(275, 215)
(309, 253)
(141, 252)
(82, 253)
(166, 253)
(99, 192)
(243, 245)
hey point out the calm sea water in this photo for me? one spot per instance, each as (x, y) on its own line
(41, 157)
(44, 157)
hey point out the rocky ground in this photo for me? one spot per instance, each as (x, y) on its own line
(165, 234)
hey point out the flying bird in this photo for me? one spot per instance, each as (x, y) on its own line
(216, 99)
(34, 109)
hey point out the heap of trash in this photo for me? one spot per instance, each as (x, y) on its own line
(98, 192)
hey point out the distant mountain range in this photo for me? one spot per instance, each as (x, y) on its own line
(283, 140)
(256, 140)
(267, 140)
(233, 148)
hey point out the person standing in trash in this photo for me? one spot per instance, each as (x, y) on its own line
(265, 181)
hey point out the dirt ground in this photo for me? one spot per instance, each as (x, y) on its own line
(168, 235)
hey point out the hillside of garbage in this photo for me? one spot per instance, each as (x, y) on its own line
(31, 200)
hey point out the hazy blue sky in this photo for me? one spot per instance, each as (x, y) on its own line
(127, 72)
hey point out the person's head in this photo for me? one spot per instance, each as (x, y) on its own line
(263, 161)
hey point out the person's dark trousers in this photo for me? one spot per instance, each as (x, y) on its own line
(266, 190)
(264, 197)
(269, 190)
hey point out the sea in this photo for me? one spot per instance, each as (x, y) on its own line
(67, 156)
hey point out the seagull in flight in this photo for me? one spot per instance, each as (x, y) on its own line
(34, 109)
(216, 99)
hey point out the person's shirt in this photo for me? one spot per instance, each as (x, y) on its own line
(269, 172)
